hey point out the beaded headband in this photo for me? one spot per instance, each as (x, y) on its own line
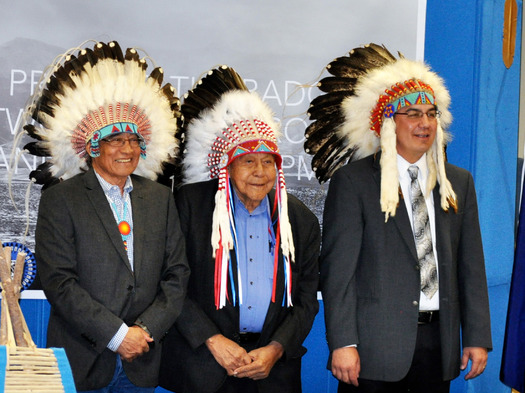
(410, 92)
(112, 129)
(239, 139)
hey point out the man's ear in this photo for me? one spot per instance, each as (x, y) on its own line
(89, 151)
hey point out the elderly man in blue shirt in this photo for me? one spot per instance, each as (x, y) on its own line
(252, 296)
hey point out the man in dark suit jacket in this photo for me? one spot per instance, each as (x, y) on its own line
(252, 296)
(402, 266)
(89, 280)
(371, 285)
(188, 364)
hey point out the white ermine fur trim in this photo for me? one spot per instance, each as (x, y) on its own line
(287, 244)
(445, 188)
(221, 218)
(389, 172)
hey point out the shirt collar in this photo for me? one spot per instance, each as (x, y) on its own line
(403, 165)
(108, 187)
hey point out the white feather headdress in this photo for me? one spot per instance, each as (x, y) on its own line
(353, 119)
(86, 90)
(222, 121)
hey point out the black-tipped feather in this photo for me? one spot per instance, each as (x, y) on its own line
(32, 132)
(335, 83)
(132, 54)
(333, 154)
(327, 104)
(158, 75)
(209, 90)
(319, 132)
(42, 174)
(36, 149)
(342, 66)
(329, 147)
(116, 51)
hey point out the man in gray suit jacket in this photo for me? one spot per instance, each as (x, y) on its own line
(94, 290)
(402, 261)
(109, 248)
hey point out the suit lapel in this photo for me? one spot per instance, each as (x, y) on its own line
(101, 207)
(401, 219)
(402, 222)
(442, 227)
(139, 211)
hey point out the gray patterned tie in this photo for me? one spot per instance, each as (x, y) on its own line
(423, 237)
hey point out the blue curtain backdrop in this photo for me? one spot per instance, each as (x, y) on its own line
(513, 360)
(464, 44)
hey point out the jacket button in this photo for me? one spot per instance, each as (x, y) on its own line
(415, 302)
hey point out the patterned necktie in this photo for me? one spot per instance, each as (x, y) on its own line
(423, 237)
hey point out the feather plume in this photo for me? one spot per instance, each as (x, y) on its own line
(326, 104)
(36, 149)
(318, 132)
(209, 90)
(334, 84)
(32, 132)
(335, 152)
(157, 75)
(42, 174)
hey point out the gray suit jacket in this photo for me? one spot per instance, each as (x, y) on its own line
(88, 280)
(370, 281)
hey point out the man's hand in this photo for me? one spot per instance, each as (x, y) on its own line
(134, 344)
(227, 353)
(263, 360)
(478, 356)
(346, 365)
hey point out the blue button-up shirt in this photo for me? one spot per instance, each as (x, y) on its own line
(255, 261)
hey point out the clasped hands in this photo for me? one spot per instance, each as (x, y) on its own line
(255, 364)
(134, 344)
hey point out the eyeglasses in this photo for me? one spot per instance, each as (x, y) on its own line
(416, 114)
(120, 142)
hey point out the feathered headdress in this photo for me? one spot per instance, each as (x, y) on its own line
(88, 95)
(355, 118)
(222, 121)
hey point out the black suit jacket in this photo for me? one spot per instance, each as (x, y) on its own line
(370, 280)
(87, 277)
(187, 365)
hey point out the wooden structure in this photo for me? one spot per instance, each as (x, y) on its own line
(23, 366)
